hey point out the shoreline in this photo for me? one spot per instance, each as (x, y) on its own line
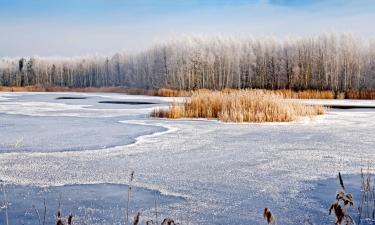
(169, 92)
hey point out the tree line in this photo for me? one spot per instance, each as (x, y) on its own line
(325, 62)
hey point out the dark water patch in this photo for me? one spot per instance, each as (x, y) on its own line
(90, 204)
(70, 98)
(128, 102)
(88, 100)
(349, 106)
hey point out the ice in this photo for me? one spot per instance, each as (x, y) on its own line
(90, 204)
(227, 173)
(54, 133)
(46, 104)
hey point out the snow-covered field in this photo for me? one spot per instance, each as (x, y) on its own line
(225, 173)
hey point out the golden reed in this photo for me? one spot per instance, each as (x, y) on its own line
(239, 106)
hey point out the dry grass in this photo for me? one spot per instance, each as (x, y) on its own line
(125, 90)
(163, 92)
(166, 92)
(287, 93)
(239, 106)
(307, 94)
(360, 95)
(366, 208)
(23, 89)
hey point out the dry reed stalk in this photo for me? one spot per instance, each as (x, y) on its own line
(340, 213)
(366, 210)
(341, 181)
(70, 219)
(268, 216)
(156, 210)
(239, 106)
(37, 213)
(45, 211)
(342, 203)
(136, 218)
(5, 202)
(168, 221)
(59, 220)
(131, 176)
(58, 214)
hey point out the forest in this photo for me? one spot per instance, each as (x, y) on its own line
(325, 62)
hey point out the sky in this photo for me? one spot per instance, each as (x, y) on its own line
(85, 27)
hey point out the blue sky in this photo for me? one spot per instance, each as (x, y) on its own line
(80, 27)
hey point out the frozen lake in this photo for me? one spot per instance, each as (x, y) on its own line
(202, 172)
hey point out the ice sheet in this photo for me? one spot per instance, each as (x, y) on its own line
(227, 172)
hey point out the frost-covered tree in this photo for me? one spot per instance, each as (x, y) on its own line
(325, 62)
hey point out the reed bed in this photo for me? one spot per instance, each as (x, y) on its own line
(239, 106)
(23, 89)
(287, 93)
(167, 92)
(360, 95)
(307, 94)
(39, 88)
(163, 92)
(65, 89)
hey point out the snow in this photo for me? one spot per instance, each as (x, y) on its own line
(91, 204)
(51, 133)
(226, 172)
(46, 104)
